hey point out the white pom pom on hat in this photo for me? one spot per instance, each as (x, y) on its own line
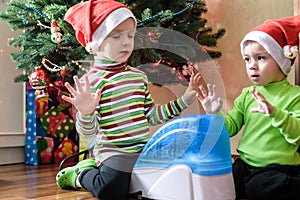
(94, 20)
(280, 38)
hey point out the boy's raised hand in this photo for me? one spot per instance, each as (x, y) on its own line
(209, 100)
(82, 98)
(263, 105)
(193, 87)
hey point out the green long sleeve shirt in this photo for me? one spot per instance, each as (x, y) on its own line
(268, 139)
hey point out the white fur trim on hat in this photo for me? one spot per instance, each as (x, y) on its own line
(271, 46)
(107, 26)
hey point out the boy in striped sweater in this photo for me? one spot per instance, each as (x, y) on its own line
(113, 100)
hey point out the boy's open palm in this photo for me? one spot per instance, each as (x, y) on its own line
(82, 98)
(209, 100)
(263, 105)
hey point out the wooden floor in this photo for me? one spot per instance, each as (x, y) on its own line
(20, 181)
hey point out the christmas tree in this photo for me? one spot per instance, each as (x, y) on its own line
(50, 55)
(48, 42)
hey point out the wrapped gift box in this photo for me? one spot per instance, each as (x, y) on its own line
(45, 146)
(50, 133)
(65, 149)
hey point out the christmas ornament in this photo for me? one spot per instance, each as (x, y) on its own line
(184, 73)
(56, 36)
(55, 67)
(38, 79)
(41, 93)
(63, 71)
(153, 37)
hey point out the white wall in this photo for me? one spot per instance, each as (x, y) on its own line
(11, 102)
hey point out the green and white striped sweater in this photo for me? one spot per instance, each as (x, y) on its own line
(126, 108)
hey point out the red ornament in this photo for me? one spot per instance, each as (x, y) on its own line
(63, 71)
(180, 76)
(152, 37)
(38, 79)
(54, 26)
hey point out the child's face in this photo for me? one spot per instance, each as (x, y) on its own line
(261, 67)
(119, 44)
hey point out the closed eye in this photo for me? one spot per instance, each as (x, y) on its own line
(131, 34)
(116, 36)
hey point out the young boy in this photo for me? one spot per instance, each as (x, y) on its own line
(113, 101)
(269, 111)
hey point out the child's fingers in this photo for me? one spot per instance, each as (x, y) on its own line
(67, 99)
(87, 84)
(77, 84)
(70, 88)
(214, 90)
(197, 76)
(195, 80)
(220, 102)
(199, 97)
(193, 68)
(210, 89)
(203, 91)
(98, 95)
(258, 96)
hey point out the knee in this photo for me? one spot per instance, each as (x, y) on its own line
(112, 193)
(115, 188)
(267, 185)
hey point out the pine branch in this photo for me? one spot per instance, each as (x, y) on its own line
(35, 41)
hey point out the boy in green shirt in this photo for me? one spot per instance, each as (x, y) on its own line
(269, 111)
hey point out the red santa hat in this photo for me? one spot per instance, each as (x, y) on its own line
(94, 20)
(280, 38)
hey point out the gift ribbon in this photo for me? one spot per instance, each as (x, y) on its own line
(56, 122)
(41, 106)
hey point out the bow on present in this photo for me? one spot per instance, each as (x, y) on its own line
(55, 123)
(67, 149)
